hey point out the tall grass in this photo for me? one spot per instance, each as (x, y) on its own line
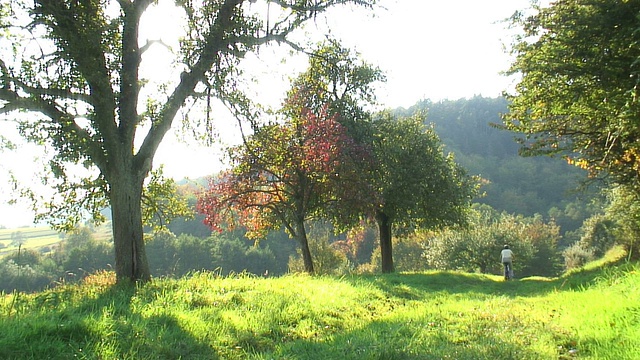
(592, 314)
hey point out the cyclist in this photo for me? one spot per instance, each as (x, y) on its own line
(507, 257)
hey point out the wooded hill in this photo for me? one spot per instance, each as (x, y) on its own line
(512, 183)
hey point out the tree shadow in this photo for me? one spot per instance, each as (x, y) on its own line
(416, 286)
(102, 325)
(117, 321)
(402, 340)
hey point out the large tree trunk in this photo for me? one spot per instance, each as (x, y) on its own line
(304, 247)
(131, 258)
(386, 251)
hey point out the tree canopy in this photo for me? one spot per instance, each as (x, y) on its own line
(578, 93)
(285, 175)
(418, 184)
(74, 66)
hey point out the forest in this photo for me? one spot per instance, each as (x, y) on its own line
(541, 205)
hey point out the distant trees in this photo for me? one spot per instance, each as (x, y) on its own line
(176, 256)
(26, 272)
(76, 256)
(84, 254)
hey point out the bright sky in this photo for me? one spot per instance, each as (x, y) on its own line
(428, 49)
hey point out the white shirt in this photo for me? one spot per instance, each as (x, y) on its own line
(506, 255)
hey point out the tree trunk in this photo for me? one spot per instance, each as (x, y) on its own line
(304, 247)
(131, 257)
(386, 251)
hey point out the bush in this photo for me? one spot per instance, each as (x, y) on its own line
(193, 254)
(598, 235)
(260, 261)
(161, 247)
(407, 254)
(625, 209)
(25, 257)
(577, 256)
(326, 258)
(88, 259)
(24, 278)
(477, 247)
(82, 254)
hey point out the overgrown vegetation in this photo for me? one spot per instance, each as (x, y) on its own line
(591, 313)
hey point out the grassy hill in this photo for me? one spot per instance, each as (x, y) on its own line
(39, 237)
(36, 237)
(590, 314)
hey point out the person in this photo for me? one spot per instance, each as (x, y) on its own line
(507, 258)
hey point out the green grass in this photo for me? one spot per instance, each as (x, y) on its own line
(589, 314)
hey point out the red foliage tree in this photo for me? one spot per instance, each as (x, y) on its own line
(285, 175)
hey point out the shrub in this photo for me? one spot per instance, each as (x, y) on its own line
(577, 256)
(161, 248)
(407, 254)
(25, 257)
(24, 278)
(598, 235)
(476, 248)
(326, 258)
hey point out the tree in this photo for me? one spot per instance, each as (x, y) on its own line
(79, 237)
(285, 175)
(18, 239)
(75, 66)
(310, 167)
(418, 185)
(578, 92)
(624, 210)
(339, 79)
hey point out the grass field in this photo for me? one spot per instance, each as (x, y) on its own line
(41, 236)
(35, 238)
(593, 313)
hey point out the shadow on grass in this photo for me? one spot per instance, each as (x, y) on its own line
(100, 326)
(117, 321)
(416, 286)
(401, 340)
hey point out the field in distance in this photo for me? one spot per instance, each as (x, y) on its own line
(40, 237)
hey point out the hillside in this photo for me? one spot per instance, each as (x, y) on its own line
(41, 238)
(30, 238)
(512, 183)
(590, 314)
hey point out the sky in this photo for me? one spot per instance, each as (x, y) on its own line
(428, 49)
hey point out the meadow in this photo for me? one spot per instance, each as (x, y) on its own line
(593, 313)
(34, 238)
(39, 237)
